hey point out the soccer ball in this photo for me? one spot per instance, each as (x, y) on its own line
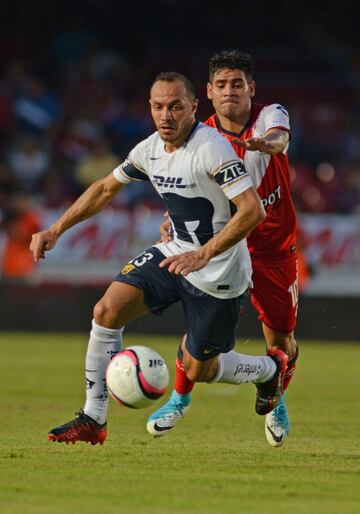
(137, 376)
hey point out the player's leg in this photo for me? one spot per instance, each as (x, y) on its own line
(182, 384)
(232, 368)
(166, 417)
(198, 307)
(277, 422)
(212, 323)
(275, 297)
(120, 304)
(140, 287)
(286, 342)
(203, 361)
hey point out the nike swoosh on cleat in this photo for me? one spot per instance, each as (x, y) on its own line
(161, 429)
(277, 438)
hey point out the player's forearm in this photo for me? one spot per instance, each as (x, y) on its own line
(237, 229)
(277, 140)
(92, 201)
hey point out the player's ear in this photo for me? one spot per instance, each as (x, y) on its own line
(252, 88)
(195, 105)
(209, 90)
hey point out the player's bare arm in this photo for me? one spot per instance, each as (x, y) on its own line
(250, 213)
(273, 142)
(92, 201)
(164, 229)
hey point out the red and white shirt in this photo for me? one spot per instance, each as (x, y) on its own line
(274, 239)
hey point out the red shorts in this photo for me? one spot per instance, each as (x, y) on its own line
(275, 294)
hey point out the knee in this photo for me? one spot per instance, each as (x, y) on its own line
(199, 375)
(104, 315)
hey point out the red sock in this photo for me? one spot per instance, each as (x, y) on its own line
(290, 370)
(288, 376)
(182, 384)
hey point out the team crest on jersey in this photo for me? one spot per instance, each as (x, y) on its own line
(127, 269)
(230, 173)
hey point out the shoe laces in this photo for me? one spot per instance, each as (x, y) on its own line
(280, 415)
(80, 416)
(83, 421)
(172, 409)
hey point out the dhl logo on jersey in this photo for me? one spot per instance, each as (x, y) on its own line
(171, 182)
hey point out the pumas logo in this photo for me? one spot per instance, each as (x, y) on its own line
(171, 182)
(127, 269)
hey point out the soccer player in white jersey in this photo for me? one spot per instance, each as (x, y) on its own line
(213, 206)
(259, 134)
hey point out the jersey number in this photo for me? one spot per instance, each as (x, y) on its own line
(192, 217)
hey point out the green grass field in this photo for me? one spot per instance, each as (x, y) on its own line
(215, 461)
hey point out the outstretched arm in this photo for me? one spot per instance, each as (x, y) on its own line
(92, 201)
(249, 214)
(272, 142)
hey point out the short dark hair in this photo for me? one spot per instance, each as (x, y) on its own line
(173, 76)
(232, 60)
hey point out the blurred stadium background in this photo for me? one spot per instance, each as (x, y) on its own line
(74, 81)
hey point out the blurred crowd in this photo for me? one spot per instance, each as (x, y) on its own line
(70, 122)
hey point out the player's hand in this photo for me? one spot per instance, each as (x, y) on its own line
(184, 263)
(165, 230)
(42, 242)
(256, 144)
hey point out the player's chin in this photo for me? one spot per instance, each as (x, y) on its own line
(167, 135)
(230, 110)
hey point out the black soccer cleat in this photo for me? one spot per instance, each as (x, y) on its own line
(268, 394)
(81, 428)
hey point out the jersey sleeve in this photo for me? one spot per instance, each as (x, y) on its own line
(133, 168)
(274, 116)
(227, 169)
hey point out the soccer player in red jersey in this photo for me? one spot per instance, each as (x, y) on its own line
(260, 136)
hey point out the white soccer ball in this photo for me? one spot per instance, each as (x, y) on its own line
(137, 376)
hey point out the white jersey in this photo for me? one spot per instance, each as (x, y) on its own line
(196, 183)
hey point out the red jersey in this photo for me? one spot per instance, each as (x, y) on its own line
(274, 238)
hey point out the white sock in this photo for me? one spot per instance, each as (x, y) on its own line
(237, 368)
(104, 343)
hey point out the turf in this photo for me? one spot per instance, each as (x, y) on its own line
(215, 461)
